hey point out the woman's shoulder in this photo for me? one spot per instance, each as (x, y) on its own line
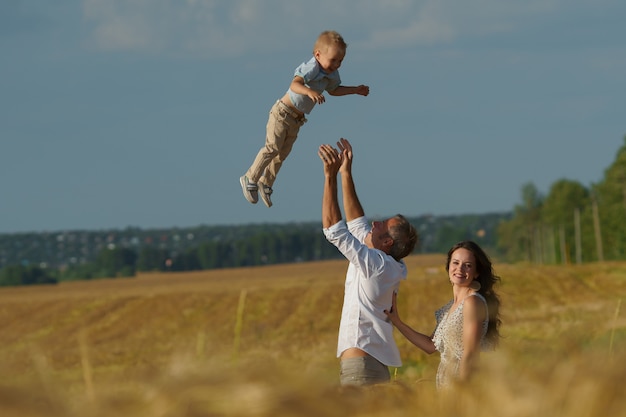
(475, 296)
(475, 305)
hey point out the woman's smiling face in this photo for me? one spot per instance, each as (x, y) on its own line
(462, 267)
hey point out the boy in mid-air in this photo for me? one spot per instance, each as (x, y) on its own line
(287, 115)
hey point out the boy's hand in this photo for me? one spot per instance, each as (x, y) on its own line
(316, 97)
(362, 90)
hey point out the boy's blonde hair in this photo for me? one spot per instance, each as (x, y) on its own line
(329, 38)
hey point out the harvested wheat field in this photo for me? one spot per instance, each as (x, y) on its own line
(261, 342)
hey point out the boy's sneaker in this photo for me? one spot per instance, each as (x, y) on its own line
(250, 190)
(266, 194)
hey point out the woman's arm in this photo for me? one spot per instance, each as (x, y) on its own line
(474, 314)
(418, 339)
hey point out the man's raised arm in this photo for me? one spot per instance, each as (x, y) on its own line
(351, 204)
(331, 214)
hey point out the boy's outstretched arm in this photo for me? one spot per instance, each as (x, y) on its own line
(343, 90)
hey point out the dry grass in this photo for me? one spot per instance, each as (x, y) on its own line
(261, 342)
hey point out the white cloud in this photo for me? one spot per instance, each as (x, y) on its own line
(428, 26)
(123, 33)
(443, 21)
(231, 28)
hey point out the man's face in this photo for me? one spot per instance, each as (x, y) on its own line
(379, 237)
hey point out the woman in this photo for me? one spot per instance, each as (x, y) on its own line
(469, 323)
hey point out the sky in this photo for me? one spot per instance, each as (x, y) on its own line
(145, 113)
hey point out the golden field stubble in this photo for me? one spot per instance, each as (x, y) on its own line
(261, 342)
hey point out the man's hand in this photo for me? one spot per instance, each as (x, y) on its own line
(331, 214)
(351, 204)
(345, 149)
(331, 158)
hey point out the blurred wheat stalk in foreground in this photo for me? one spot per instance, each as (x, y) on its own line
(260, 342)
(580, 386)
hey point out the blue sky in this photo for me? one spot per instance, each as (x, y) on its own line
(145, 113)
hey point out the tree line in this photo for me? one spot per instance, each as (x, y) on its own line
(572, 223)
(124, 253)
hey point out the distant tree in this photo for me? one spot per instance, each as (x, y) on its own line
(242, 254)
(611, 199)
(25, 275)
(79, 272)
(519, 238)
(558, 214)
(323, 249)
(153, 259)
(550, 229)
(260, 247)
(447, 235)
(116, 262)
(86, 254)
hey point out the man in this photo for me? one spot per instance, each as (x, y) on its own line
(366, 347)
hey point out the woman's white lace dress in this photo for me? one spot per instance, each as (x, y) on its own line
(448, 340)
